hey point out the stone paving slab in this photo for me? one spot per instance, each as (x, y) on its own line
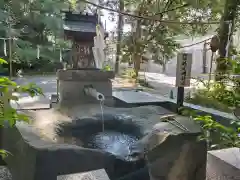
(230, 156)
(224, 164)
(92, 175)
(136, 97)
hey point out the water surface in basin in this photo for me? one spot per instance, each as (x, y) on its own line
(119, 136)
(116, 143)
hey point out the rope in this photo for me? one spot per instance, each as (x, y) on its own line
(196, 43)
(186, 45)
(152, 18)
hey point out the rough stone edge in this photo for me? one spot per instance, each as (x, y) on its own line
(40, 156)
(220, 169)
(63, 75)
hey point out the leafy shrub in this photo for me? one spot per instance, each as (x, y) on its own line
(216, 95)
(217, 135)
(129, 73)
(223, 95)
(8, 115)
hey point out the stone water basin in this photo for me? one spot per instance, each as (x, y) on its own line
(119, 136)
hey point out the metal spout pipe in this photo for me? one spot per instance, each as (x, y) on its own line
(93, 92)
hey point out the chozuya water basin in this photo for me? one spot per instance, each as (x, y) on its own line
(119, 135)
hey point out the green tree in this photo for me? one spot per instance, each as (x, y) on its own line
(159, 38)
(32, 24)
(119, 35)
(226, 31)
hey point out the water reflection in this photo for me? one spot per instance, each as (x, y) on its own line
(116, 143)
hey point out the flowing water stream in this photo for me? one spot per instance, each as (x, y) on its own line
(101, 107)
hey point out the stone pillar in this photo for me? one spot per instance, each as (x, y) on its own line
(72, 83)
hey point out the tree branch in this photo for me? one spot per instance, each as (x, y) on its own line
(166, 9)
(151, 18)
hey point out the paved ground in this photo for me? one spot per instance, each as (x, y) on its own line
(48, 85)
(162, 86)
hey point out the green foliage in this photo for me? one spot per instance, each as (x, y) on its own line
(236, 66)
(107, 68)
(216, 95)
(217, 135)
(159, 39)
(8, 115)
(33, 23)
(129, 73)
(223, 95)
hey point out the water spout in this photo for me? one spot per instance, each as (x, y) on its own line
(93, 92)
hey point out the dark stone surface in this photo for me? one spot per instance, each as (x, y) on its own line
(169, 104)
(180, 156)
(35, 159)
(174, 153)
(221, 117)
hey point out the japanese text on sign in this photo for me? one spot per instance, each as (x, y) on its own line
(183, 75)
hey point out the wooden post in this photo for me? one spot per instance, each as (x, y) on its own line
(183, 76)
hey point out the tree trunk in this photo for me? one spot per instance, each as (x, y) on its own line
(226, 29)
(137, 54)
(164, 65)
(137, 63)
(119, 36)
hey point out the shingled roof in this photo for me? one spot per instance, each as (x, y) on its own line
(80, 22)
(79, 26)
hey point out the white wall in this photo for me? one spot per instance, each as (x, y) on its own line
(197, 62)
(197, 65)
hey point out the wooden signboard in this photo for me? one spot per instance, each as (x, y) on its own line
(183, 72)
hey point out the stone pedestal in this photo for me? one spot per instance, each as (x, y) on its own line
(72, 83)
(223, 164)
(175, 154)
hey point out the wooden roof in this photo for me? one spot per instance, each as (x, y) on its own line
(80, 25)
